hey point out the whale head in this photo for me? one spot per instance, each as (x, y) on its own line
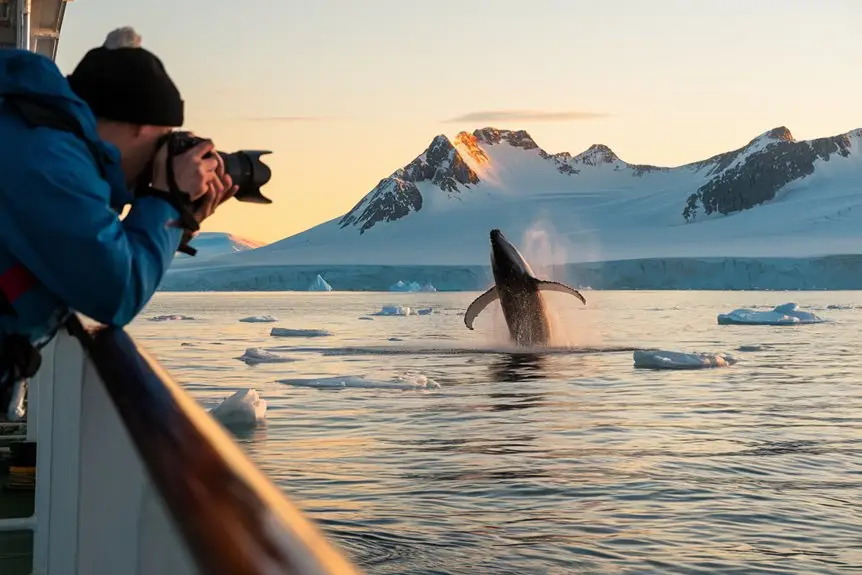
(507, 262)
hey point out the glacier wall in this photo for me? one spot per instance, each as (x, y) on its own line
(839, 272)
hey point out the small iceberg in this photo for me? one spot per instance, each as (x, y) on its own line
(287, 332)
(409, 381)
(172, 317)
(785, 314)
(395, 310)
(319, 284)
(402, 286)
(405, 287)
(402, 310)
(256, 355)
(245, 407)
(259, 319)
(659, 359)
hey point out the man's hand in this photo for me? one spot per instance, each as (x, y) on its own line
(219, 189)
(194, 174)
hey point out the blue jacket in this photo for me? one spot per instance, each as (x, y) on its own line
(60, 219)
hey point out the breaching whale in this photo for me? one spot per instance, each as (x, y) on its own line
(519, 292)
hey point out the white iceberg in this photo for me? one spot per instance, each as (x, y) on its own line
(245, 407)
(402, 310)
(661, 359)
(319, 284)
(408, 381)
(405, 287)
(395, 310)
(259, 319)
(785, 314)
(256, 355)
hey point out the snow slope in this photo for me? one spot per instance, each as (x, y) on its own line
(775, 197)
(212, 244)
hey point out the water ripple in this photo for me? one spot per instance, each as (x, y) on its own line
(567, 461)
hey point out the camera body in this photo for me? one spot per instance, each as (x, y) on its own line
(244, 166)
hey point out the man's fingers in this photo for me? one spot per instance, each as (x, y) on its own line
(206, 206)
(202, 149)
(208, 165)
(220, 167)
(229, 189)
(217, 187)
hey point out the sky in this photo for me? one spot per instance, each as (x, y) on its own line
(345, 92)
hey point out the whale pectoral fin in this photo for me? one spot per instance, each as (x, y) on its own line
(558, 287)
(478, 305)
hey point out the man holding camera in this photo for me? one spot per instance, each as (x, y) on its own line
(71, 151)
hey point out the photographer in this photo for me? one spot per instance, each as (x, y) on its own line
(63, 245)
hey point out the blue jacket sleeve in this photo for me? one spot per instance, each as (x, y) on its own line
(68, 236)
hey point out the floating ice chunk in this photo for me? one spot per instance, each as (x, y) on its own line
(259, 319)
(403, 286)
(406, 381)
(172, 317)
(319, 284)
(785, 314)
(287, 332)
(395, 310)
(403, 310)
(245, 407)
(658, 359)
(256, 355)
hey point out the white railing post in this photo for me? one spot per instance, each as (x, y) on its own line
(58, 458)
(40, 417)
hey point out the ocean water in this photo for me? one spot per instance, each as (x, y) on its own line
(565, 462)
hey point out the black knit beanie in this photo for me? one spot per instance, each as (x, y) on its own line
(123, 82)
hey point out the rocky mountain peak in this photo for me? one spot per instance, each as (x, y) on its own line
(596, 155)
(440, 164)
(398, 195)
(780, 133)
(467, 143)
(516, 139)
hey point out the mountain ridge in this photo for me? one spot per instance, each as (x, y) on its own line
(445, 164)
(437, 208)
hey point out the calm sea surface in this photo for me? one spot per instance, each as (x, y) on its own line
(568, 462)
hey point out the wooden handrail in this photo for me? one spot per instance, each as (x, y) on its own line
(234, 520)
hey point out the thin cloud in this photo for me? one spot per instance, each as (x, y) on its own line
(526, 116)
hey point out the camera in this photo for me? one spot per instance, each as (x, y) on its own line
(244, 166)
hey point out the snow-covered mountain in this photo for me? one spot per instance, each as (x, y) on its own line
(772, 197)
(213, 244)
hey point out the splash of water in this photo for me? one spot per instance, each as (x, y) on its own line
(546, 250)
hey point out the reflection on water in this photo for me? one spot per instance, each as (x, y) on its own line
(517, 367)
(555, 461)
